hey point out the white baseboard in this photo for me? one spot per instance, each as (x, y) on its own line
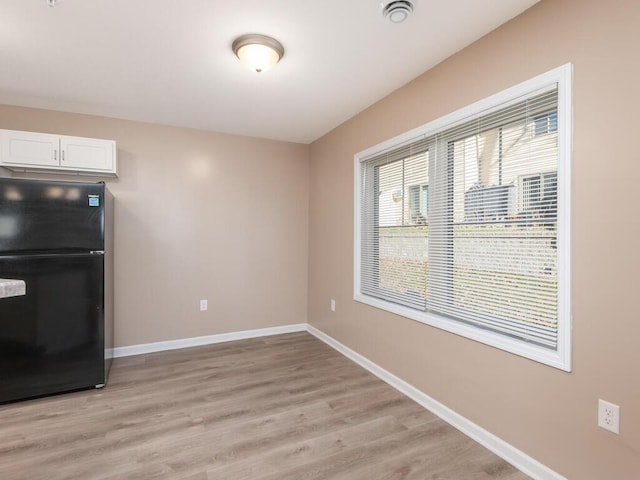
(509, 453)
(206, 340)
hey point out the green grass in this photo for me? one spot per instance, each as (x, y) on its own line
(526, 291)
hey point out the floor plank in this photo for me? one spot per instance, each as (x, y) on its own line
(281, 407)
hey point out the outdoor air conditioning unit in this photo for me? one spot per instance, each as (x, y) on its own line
(489, 203)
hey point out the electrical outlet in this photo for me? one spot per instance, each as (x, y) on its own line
(203, 305)
(333, 305)
(609, 416)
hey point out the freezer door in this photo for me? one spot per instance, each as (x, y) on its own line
(38, 216)
(52, 339)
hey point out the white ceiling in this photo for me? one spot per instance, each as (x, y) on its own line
(170, 61)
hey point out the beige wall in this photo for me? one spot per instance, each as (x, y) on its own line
(547, 413)
(198, 215)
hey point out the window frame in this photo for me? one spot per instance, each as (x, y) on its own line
(561, 357)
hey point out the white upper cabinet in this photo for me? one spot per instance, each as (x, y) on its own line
(87, 153)
(22, 151)
(26, 148)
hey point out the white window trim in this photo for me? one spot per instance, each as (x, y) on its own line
(561, 358)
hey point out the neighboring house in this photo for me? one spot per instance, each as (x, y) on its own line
(501, 180)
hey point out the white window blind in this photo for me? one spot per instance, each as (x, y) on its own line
(461, 223)
(493, 262)
(394, 246)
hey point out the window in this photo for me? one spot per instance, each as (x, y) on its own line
(539, 192)
(419, 203)
(463, 223)
(547, 123)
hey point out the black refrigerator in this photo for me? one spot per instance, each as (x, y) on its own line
(58, 238)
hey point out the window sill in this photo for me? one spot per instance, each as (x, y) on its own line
(557, 359)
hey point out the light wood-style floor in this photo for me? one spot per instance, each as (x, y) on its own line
(282, 407)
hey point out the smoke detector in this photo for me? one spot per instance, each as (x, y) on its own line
(397, 11)
(52, 3)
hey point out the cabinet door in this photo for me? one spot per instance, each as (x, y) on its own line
(87, 154)
(26, 148)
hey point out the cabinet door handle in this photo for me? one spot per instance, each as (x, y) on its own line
(55, 155)
(63, 155)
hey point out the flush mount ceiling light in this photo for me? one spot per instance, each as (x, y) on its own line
(258, 52)
(397, 11)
